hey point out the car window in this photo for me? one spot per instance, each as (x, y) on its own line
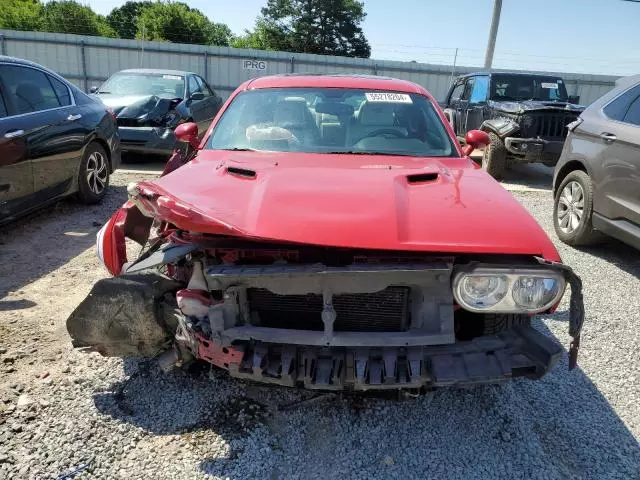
(457, 91)
(30, 90)
(62, 92)
(633, 114)
(468, 86)
(480, 90)
(3, 108)
(192, 84)
(293, 119)
(131, 83)
(202, 87)
(617, 108)
(517, 87)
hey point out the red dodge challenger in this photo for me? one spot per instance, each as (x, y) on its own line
(329, 232)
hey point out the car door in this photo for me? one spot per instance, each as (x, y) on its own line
(453, 101)
(619, 159)
(51, 127)
(474, 113)
(16, 178)
(197, 104)
(463, 107)
(213, 101)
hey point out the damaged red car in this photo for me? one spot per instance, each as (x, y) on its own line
(329, 232)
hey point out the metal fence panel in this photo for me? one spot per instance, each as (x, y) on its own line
(87, 61)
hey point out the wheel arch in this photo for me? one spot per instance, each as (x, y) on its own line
(565, 170)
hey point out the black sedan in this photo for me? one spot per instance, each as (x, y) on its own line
(150, 103)
(55, 140)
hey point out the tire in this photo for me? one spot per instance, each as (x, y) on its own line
(93, 178)
(495, 323)
(575, 191)
(494, 158)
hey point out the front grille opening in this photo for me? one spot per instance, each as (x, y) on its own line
(385, 311)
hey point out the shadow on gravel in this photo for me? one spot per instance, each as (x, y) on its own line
(617, 253)
(559, 427)
(40, 243)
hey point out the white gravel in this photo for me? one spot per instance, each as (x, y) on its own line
(61, 410)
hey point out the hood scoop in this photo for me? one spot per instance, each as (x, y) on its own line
(417, 178)
(242, 172)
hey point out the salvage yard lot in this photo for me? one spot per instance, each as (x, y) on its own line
(61, 409)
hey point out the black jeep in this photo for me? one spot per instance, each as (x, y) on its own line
(526, 116)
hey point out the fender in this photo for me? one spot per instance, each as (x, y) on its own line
(501, 126)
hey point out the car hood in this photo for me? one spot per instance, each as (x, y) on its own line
(117, 102)
(532, 105)
(352, 201)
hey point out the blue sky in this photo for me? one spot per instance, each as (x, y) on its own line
(588, 36)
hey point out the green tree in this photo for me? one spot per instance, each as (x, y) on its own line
(326, 27)
(265, 36)
(20, 14)
(177, 22)
(124, 19)
(67, 16)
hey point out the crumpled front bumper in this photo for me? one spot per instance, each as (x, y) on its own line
(533, 150)
(134, 315)
(152, 140)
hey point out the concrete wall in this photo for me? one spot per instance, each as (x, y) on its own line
(87, 61)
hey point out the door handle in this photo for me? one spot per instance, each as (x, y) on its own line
(73, 118)
(14, 133)
(608, 137)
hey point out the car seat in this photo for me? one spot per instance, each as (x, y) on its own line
(374, 116)
(294, 115)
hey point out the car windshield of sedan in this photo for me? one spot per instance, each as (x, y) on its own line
(332, 120)
(161, 85)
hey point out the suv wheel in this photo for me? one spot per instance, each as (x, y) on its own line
(494, 158)
(572, 210)
(93, 179)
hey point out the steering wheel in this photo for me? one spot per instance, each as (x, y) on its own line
(383, 131)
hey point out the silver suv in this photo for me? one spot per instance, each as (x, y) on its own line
(596, 183)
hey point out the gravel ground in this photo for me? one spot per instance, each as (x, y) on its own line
(61, 410)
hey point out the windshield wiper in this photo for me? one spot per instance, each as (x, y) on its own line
(102, 91)
(239, 149)
(360, 152)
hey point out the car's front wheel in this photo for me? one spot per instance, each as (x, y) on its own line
(93, 179)
(573, 209)
(494, 159)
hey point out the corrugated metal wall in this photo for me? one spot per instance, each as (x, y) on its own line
(87, 61)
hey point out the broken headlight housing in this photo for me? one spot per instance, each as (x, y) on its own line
(500, 290)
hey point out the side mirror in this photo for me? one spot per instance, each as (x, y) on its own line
(188, 133)
(196, 96)
(574, 99)
(475, 139)
(93, 89)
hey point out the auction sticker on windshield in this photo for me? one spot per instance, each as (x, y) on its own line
(172, 77)
(388, 97)
(549, 85)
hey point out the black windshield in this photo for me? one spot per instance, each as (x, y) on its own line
(505, 87)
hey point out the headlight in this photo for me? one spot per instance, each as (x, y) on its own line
(508, 290)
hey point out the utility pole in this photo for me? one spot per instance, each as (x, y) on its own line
(493, 33)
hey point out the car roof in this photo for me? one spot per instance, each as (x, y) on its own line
(527, 74)
(156, 71)
(373, 82)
